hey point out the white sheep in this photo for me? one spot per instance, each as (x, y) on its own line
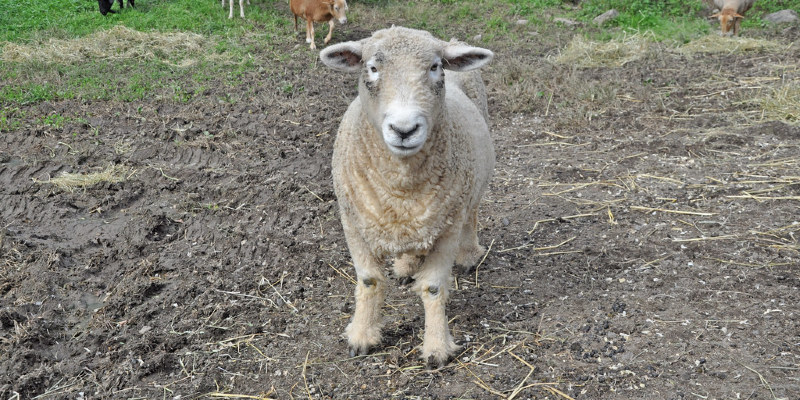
(731, 14)
(412, 158)
(241, 7)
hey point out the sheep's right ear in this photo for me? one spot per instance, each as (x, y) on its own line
(343, 56)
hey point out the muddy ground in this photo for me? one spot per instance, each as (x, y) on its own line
(642, 227)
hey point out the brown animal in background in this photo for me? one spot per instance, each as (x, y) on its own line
(318, 11)
(731, 14)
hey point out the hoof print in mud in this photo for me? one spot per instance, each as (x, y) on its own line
(164, 229)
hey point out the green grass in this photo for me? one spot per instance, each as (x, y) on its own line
(672, 19)
(24, 20)
(229, 46)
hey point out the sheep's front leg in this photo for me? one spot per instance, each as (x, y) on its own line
(433, 286)
(330, 32)
(364, 330)
(230, 14)
(241, 7)
(310, 33)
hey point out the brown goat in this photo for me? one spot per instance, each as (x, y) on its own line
(731, 14)
(318, 11)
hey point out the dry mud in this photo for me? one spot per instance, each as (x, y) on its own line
(643, 228)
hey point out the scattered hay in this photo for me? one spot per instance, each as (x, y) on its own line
(69, 181)
(115, 44)
(730, 45)
(783, 104)
(615, 53)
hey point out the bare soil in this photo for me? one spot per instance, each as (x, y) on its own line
(642, 225)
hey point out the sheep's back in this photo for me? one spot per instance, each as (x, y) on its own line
(471, 83)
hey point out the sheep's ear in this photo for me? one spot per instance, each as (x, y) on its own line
(460, 57)
(343, 56)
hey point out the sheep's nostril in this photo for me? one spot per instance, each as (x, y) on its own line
(404, 134)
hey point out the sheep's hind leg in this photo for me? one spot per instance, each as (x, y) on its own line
(364, 330)
(433, 286)
(469, 250)
(405, 266)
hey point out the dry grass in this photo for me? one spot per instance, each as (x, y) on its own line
(70, 181)
(615, 53)
(169, 47)
(783, 103)
(729, 45)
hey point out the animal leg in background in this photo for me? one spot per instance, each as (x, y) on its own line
(330, 32)
(310, 33)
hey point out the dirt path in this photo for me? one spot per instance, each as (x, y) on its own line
(643, 224)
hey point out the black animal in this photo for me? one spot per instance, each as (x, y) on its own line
(105, 5)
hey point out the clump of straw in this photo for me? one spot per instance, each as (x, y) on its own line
(783, 103)
(115, 44)
(717, 44)
(70, 181)
(615, 53)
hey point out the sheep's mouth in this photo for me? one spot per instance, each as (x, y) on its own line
(402, 150)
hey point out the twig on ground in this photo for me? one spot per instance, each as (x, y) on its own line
(477, 285)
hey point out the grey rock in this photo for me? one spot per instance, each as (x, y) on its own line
(566, 21)
(781, 17)
(606, 16)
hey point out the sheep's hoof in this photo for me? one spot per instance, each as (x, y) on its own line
(434, 363)
(405, 280)
(358, 350)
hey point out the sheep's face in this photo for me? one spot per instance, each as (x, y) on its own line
(402, 86)
(402, 97)
(338, 9)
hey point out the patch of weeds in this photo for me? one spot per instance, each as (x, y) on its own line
(180, 94)
(27, 92)
(11, 119)
(56, 121)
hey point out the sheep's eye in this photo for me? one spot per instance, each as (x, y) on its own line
(336, 8)
(434, 67)
(373, 69)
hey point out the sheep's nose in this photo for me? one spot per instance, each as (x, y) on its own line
(343, 20)
(404, 134)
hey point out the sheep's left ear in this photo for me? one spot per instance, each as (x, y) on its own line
(460, 57)
(342, 56)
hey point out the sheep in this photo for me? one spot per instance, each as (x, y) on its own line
(241, 7)
(105, 6)
(411, 161)
(318, 11)
(731, 14)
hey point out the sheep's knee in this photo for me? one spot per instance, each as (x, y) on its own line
(438, 346)
(364, 331)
